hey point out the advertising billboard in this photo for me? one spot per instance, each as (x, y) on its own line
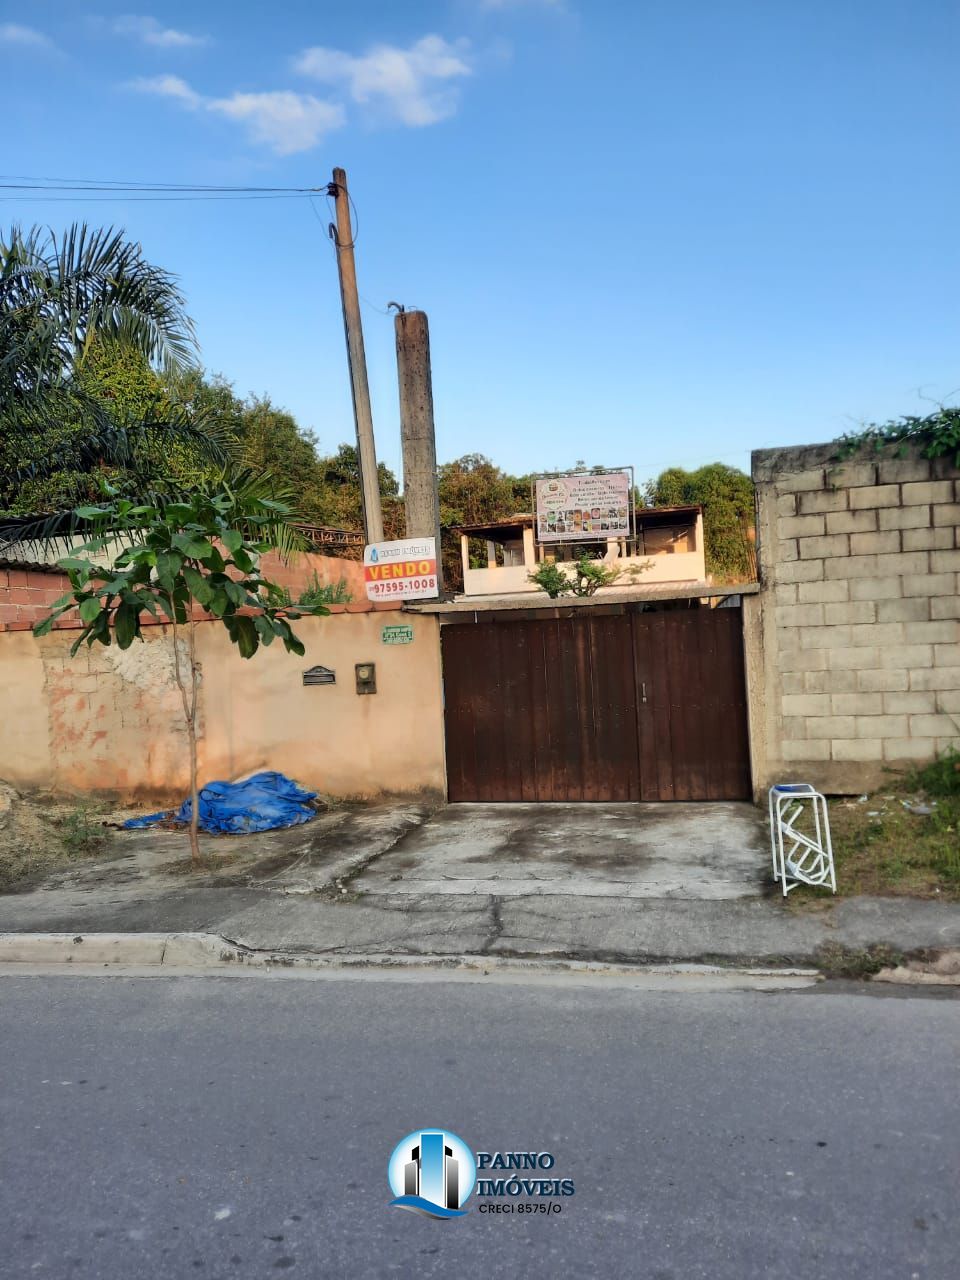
(583, 508)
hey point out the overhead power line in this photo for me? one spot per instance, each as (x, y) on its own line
(66, 189)
(100, 184)
(122, 198)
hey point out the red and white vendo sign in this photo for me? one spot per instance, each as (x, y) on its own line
(402, 570)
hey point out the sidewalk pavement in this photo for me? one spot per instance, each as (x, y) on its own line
(392, 880)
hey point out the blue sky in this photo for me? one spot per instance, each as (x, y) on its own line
(660, 232)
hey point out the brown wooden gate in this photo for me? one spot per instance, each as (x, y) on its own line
(597, 706)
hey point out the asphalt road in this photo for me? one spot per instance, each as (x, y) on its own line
(241, 1127)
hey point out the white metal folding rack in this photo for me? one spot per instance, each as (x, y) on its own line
(802, 857)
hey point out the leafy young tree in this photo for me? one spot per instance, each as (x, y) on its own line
(121, 377)
(726, 496)
(174, 557)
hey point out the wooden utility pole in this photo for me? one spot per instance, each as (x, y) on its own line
(421, 498)
(342, 237)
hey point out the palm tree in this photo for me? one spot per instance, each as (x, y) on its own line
(59, 296)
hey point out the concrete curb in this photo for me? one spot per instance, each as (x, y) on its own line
(141, 949)
(211, 951)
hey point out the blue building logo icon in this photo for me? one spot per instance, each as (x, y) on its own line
(432, 1172)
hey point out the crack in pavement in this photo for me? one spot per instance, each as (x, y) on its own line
(496, 923)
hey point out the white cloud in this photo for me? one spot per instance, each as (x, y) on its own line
(168, 87)
(284, 121)
(150, 31)
(414, 84)
(26, 37)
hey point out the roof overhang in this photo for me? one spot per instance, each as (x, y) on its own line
(496, 528)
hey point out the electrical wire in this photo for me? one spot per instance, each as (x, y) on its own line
(372, 305)
(19, 182)
(313, 207)
(354, 216)
(127, 198)
(331, 214)
(54, 190)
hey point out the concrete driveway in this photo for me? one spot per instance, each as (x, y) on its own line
(705, 851)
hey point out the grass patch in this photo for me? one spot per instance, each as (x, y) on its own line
(903, 840)
(836, 961)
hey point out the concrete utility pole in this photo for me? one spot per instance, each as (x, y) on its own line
(342, 237)
(421, 498)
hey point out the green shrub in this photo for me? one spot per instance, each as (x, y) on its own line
(588, 576)
(318, 592)
(314, 593)
(942, 777)
(80, 831)
(550, 578)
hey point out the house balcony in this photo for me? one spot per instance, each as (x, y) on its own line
(667, 549)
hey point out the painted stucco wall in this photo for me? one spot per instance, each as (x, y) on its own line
(26, 718)
(329, 736)
(111, 721)
(853, 657)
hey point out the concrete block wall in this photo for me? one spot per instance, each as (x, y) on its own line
(858, 668)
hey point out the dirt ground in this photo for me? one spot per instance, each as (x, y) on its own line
(41, 834)
(902, 841)
(61, 844)
(897, 842)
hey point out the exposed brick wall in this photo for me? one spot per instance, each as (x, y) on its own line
(860, 563)
(115, 717)
(27, 594)
(298, 573)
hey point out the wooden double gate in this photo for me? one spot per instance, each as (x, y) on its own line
(615, 705)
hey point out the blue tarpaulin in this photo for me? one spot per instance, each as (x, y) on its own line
(261, 803)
